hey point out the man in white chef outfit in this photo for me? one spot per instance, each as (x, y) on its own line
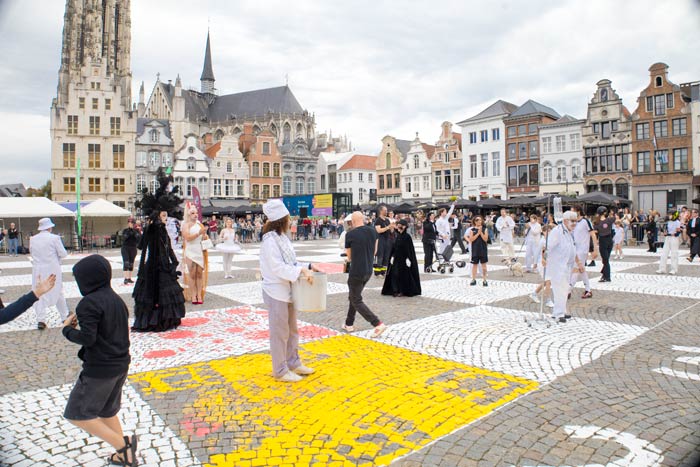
(505, 225)
(442, 225)
(560, 261)
(47, 251)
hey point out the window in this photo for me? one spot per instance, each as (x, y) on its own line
(154, 160)
(643, 162)
(95, 85)
(167, 159)
(276, 169)
(560, 143)
(311, 186)
(93, 156)
(680, 159)
(115, 126)
(532, 128)
(576, 171)
(95, 103)
(381, 182)
(323, 182)
(69, 184)
(546, 144)
(359, 176)
(287, 185)
(350, 177)
(495, 134)
(472, 137)
(660, 104)
(426, 183)
(119, 185)
(155, 135)
(72, 124)
(485, 165)
(190, 183)
(484, 135)
(108, 104)
(669, 101)
(522, 150)
(408, 185)
(416, 161)
(561, 173)
(596, 128)
(642, 131)
(661, 160)
(266, 191)
(266, 169)
(387, 160)
(370, 176)
(140, 159)
(256, 169)
(275, 190)
(266, 148)
(456, 179)
(522, 175)
(533, 149)
(287, 130)
(575, 141)
(448, 179)
(659, 82)
(438, 180)
(680, 127)
(511, 132)
(154, 184)
(472, 166)
(496, 164)
(140, 183)
(534, 174)
(217, 187)
(512, 176)
(511, 152)
(522, 130)
(299, 167)
(396, 180)
(191, 163)
(81, 103)
(256, 192)
(389, 181)
(661, 128)
(650, 104)
(300, 186)
(94, 125)
(547, 174)
(68, 156)
(605, 130)
(118, 158)
(94, 184)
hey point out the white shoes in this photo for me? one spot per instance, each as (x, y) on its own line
(660, 272)
(549, 304)
(534, 297)
(303, 370)
(381, 327)
(290, 377)
(347, 328)
(673, 273)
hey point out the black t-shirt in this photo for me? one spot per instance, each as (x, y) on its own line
(361, 242)
(12, 233)
(604, 227)
(382, 223)
(479, 247)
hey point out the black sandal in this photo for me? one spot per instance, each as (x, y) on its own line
(120, 457)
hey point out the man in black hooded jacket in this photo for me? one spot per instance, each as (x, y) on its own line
(104, 336)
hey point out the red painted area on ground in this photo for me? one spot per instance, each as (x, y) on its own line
(258, 335)
(178, 334)
(329, 268)
(197, 427)
(238, 311)
(235, 330)
(159, 354)
(188, 322)
(217, 341)
(312, 331)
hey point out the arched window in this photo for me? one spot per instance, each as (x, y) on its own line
(266, 169)
(546, 172)
(287, 185)
(591, 186)
(273, 130)
(287, 130)
(311, 186)
(416, 161)
(622, 188)
(256, 130)
(561, 172)
(300, 186)
(300, 131)
(218, 135)
(275, 169)
(256, 169)
(236, 131)
(191, 163)
(575, 170)
(606, 186)
(155, 135)
(388, 160)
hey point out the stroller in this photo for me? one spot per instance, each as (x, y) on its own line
(444, 260)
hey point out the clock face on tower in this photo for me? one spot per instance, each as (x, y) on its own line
(604, 94)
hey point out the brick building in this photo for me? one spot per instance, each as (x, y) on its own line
(446, 165)
(389, 161)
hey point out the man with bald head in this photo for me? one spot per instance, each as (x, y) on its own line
(360, 248)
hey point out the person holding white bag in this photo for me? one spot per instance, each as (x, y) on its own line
(279, 269)
(194, 253)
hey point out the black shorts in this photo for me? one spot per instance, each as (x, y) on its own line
(95, 397)
(479, 260)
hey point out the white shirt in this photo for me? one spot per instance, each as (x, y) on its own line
(505, 226)
(672, 226)
(582, 235)
(442, 225)
(561, 254)
(276, 274)
(533, 233)
(47, 251)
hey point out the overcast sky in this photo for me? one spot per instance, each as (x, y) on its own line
(366, 68)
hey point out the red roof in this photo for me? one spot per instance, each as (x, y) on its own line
(360, 162)
(212, 150)
(429, 150)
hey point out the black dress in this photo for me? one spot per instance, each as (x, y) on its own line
(130, 242)
(159, 299)
(400, 278)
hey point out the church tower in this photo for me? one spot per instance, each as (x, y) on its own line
(207, 79)
(92, 119)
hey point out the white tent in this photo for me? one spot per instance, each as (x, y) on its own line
(29, 210)
(103, 208)
(102, 221)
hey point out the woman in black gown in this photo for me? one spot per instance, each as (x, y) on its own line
(402, 278)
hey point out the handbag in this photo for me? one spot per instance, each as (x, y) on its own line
(207, 244)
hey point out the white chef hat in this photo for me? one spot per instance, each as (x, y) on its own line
(570, 215)
(275, 210)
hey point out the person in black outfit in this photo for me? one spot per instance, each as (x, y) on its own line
(456, 227)
(652, 233)
(402, 277)
(383, 226)
(429, 238)
(13, 236)
(478, 237)
(605, 241)
(159, 298)
(130, 241)
(360, 247)
(693, 230)
(103, 317)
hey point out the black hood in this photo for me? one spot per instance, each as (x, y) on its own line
(92, 273)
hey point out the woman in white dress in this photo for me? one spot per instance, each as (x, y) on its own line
(196, 259)
(229, 246)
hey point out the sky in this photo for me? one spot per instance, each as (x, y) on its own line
(365, 68)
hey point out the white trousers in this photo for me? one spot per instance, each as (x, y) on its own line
(43, 303)
(560, 291)
(284, 336)
(507, 249)
(531, 255)
(670, 248)
(228, 259)
(581, 276)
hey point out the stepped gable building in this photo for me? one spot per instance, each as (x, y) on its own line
(561, 157)
(154, 149)
(92, 122)
(484, 161)
(607, 138)
(523, 147)
(391, 158)
(416, 174)
(662, 166)
(276, 110)
(229, 171)
(446, 165)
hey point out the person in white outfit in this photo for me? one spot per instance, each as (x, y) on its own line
(444, 230)
(671, 243)
(228, 246)
(505, 226)
(618, 239)
(47, 252)
(583, 236)
(560, 260)
(532, 244)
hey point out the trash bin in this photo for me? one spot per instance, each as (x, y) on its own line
(310, 297)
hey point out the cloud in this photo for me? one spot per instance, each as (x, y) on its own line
(369, 68)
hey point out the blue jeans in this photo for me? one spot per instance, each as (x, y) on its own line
(13, 242)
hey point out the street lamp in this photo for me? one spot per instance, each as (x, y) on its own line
(574, 179)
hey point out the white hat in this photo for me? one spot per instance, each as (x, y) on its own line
(348, 218)
(570, 215)
(275, 210)
(45, 223)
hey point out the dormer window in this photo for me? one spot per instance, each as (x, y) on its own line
(190, 149)
(604, 95)
(659, 81)
(191, 163)
(155, 136)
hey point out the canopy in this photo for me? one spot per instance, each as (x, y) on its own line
(103, 208)
(32, 207)
(600, 197)
(427, 206)
(549, 200)
(404, 208)
(465, 203)
(696, 201)
(492, 203)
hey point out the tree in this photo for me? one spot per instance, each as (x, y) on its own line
(44, 190)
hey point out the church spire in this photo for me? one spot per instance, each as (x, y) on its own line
(207, 79)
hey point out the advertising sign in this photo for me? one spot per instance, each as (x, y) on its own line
(322, 205)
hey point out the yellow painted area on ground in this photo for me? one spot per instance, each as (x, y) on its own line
(367, 404)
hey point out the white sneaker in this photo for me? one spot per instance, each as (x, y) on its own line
(660, 272)
(549, 304)
(303, 370)
(533, 296)
(347, 328)
(673, 273)
(379, 329)
(290, 377)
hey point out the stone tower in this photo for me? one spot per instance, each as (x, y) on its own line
(92, 119)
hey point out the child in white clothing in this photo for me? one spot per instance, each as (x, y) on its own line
(618, 238)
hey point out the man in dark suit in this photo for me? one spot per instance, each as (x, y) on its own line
(693, 231)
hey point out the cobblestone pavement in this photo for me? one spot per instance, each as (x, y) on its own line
(460, 378)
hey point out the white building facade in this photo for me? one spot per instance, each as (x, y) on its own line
(358, 176)
(154, 149)
(484, 152)
(561, 157)
(417, 172)
(229, 172)
(191, 169)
